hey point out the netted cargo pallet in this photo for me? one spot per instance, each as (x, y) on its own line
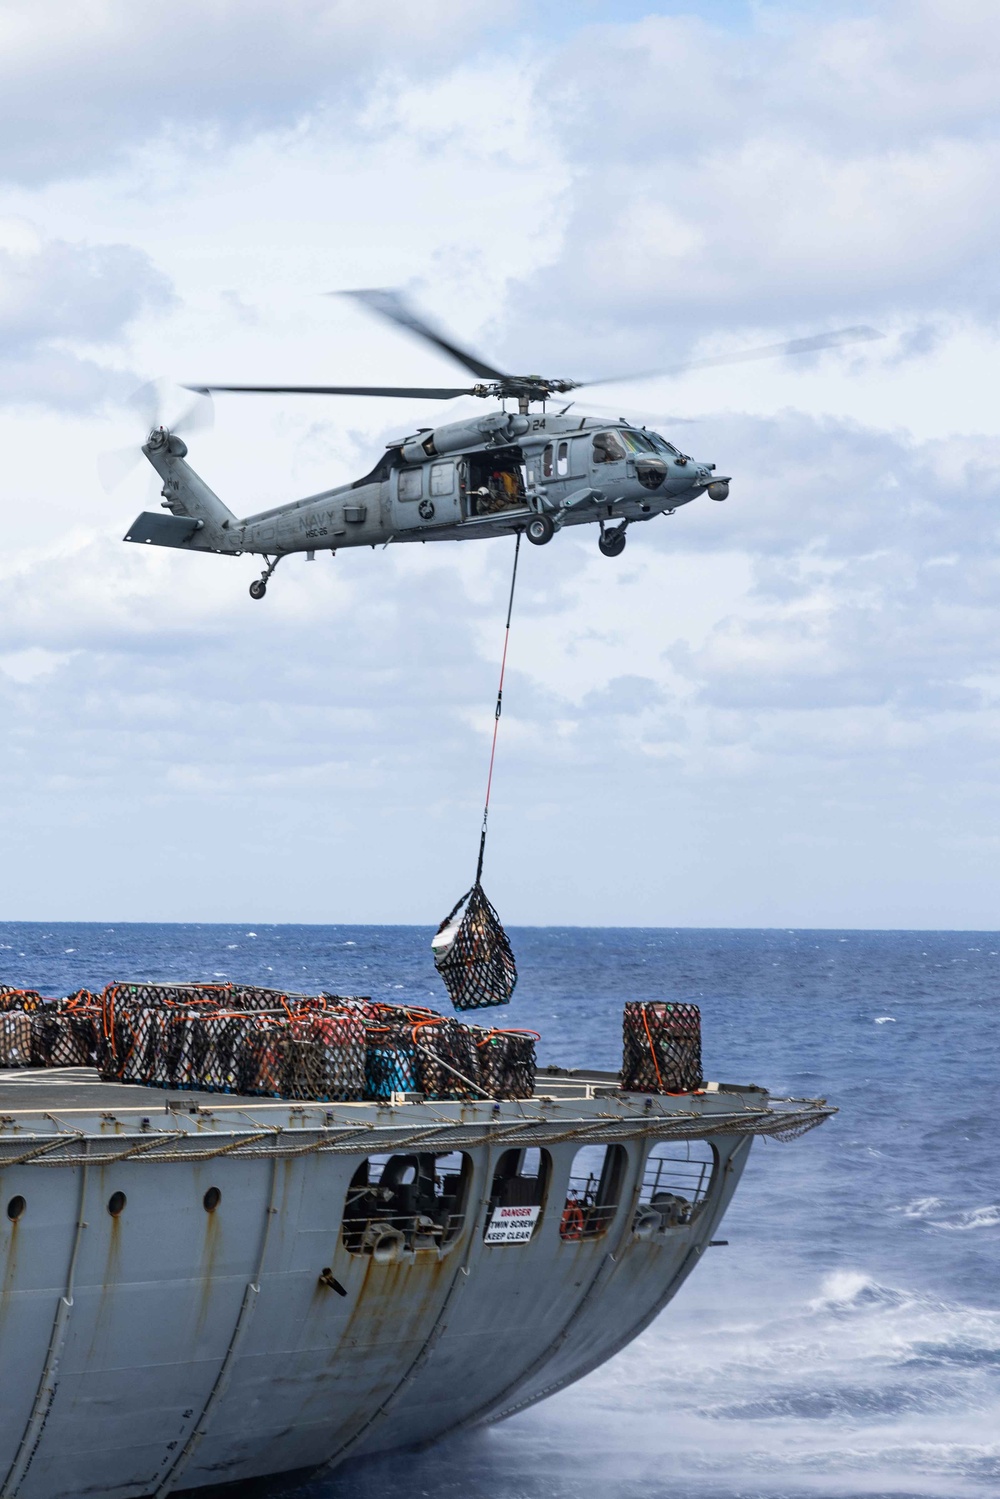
(506, 1062)
(662, 1047)
(60, 1038)
(15, 1039)
(447, 1059)
(318, 1055)
(150, 995)
(390, 1062)
(325, 1057)
(472, 954)
(19, 999)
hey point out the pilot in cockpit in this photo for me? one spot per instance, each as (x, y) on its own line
(607, 448)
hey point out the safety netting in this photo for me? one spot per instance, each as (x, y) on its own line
(662, 1047)
(473, 954)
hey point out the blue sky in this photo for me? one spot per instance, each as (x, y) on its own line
(778, 711)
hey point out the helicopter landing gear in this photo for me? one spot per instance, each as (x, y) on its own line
(612, 543)
(539, 530)
(258, 587)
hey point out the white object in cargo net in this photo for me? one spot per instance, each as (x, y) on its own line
(511, 1225)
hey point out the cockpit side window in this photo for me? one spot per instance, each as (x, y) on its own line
(608, 447)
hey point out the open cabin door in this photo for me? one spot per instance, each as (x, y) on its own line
(495, 481)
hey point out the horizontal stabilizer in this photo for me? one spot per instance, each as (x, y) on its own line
(162, 530)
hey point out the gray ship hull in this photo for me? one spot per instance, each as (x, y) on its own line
(165, 1346)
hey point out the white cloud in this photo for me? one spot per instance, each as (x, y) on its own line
(81, 85)
(780, 709)
(826, 168)
(58, 298)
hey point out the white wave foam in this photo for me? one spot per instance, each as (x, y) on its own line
(885, 1020)
(921, 1207)
(984, 1217)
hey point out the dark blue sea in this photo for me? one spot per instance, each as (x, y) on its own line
(847, 1342)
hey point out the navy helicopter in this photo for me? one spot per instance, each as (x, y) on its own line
(529, 469)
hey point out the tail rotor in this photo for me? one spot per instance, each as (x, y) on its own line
(155, 404)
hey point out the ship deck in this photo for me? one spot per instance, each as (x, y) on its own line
(65, 1115)
(30, 1090)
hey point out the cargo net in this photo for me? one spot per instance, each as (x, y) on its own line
(19, 999)
(232, 996)
(507, 1062)
(662, 1047)
(324, 1048)
(39, 1032)
(473, 955)
(315, 1055)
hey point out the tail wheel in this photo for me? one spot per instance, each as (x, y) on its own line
(539, 530)
(258, 588)
(612, 543)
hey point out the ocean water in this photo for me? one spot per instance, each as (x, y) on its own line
(847, 1342)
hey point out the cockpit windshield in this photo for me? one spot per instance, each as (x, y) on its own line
(648, 442)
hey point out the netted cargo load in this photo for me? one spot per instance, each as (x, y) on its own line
(325, 1057)
(390, 1062)
(24, 1000)
(151, 995)
(506, 1062)
(318, 1055)
(62, 1038)
(15, 1039)
(447, 1059)
(472, 954)
(662, 1047)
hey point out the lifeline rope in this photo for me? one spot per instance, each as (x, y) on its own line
(499, 710)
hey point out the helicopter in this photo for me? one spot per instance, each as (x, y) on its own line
(529, 470)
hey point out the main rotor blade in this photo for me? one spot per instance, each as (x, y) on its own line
(768, 351)
(636, 418)
(408, 392)
(392, 306)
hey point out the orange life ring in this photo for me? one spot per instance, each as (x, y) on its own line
(571, 1226)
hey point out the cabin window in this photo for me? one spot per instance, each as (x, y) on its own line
(562, 460)
(593, 1191)
(517, 1195)
(677, 1178)
(410, 483)
(547, 461)
(442, 478)
(403, 1202)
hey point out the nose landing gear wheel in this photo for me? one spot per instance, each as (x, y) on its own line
(539, 530)
(258, 588)
(612, 543)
